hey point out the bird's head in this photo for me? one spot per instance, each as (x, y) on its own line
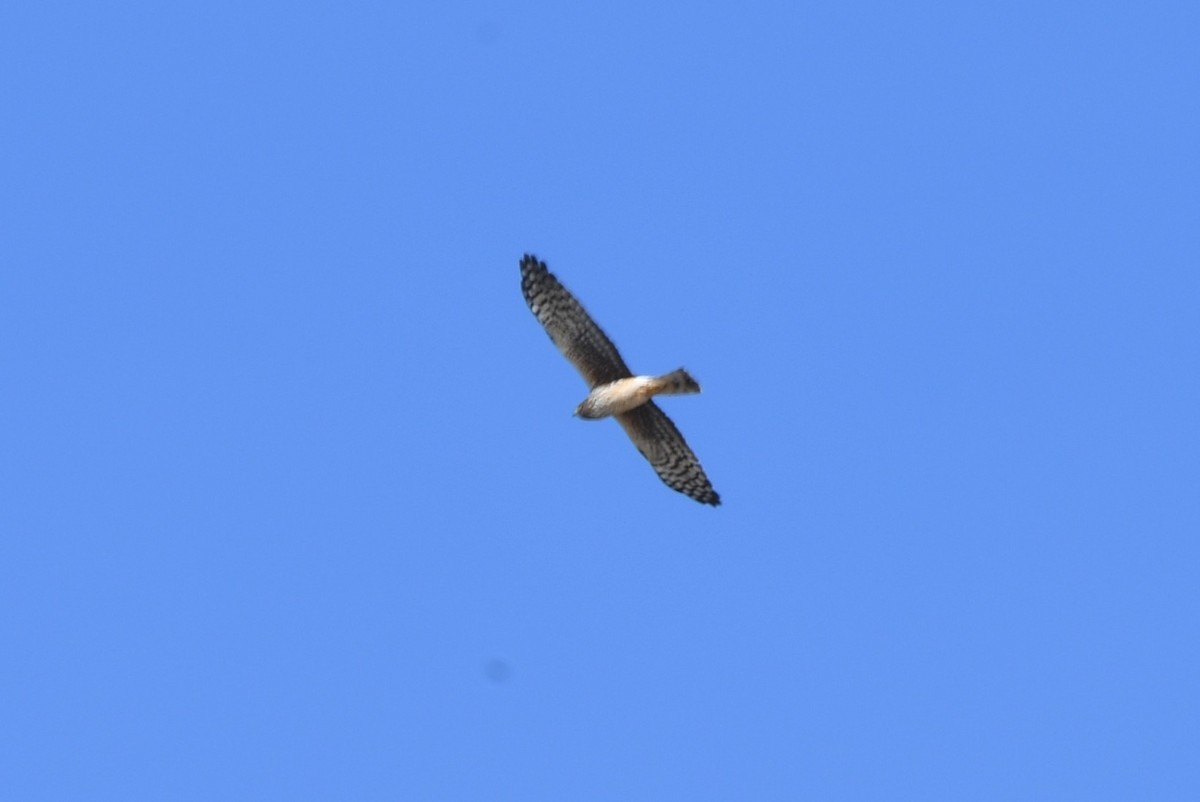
(585, 410)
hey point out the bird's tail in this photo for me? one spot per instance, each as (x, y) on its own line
(677, 382)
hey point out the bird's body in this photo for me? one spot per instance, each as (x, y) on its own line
(623, 395)
(615, 391)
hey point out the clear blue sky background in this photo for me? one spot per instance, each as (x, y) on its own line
(294, 506)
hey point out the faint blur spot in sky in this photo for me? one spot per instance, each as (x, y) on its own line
(487, 32)
(497, 670)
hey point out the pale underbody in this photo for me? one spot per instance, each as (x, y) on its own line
(626, 394)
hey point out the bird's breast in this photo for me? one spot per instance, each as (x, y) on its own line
(616, 397)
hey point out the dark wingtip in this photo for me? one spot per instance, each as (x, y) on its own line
(531, 268)
(705, 496)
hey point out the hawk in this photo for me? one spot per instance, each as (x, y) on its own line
(615, 391)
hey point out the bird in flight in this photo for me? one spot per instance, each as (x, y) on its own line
(615, 391)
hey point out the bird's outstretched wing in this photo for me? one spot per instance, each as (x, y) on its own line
(661, 443)
(570, 326)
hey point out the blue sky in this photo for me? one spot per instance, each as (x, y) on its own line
(294, 504)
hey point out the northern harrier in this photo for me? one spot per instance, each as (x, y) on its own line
(614, 390)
